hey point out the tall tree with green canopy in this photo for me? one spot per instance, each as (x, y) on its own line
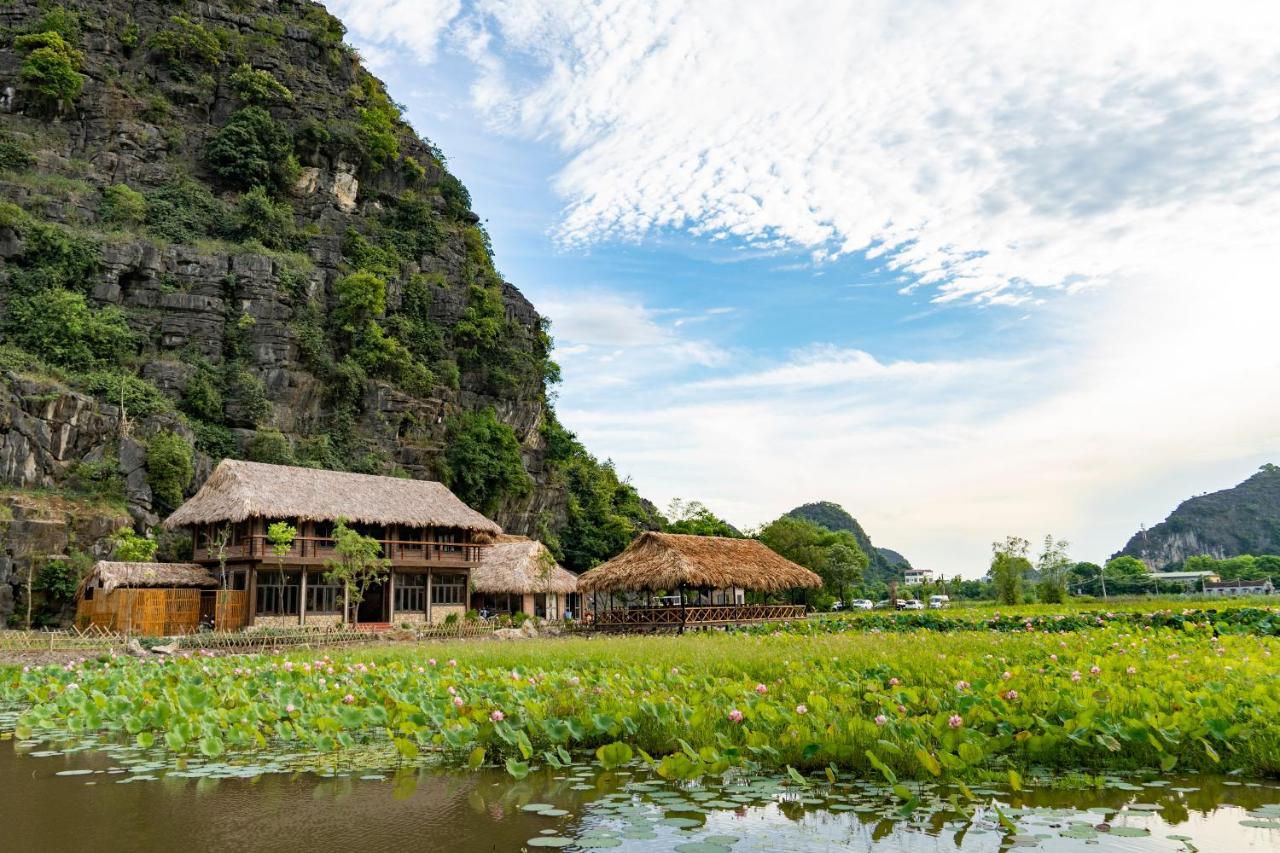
(1052, 568)
(358, 565)
(482, 463)
(694, 518)
(1009, 568)
(834, 556)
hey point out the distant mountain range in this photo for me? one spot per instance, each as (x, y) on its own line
(1244, 519)
(882, 563)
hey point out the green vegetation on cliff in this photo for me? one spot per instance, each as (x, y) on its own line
(883, 564)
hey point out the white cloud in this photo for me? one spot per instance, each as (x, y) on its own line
(381, 26)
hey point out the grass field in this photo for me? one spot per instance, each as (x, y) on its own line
(916, 704)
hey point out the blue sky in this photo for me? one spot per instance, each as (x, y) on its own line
(969, 271)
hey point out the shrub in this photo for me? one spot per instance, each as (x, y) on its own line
(101, 480)
(123, 205)
(259, 217)
(246, 396)
(128, 547)
(51, 68)
(186, 43)
(482, 462)
(258, 87)
(184, 211)
(361, 296)
(66, 331)
(141, 398)
(169, 469)
(214, 440)
(252, 149)
(272, 446)
(202, 398)
(52, 257)
(13, 155)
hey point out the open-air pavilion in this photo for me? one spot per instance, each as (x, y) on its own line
(698, 581)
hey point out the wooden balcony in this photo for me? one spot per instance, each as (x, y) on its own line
(697, 616)
(316, 551)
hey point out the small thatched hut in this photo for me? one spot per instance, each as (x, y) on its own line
(145, 598)
(717, 569)
(519, 574)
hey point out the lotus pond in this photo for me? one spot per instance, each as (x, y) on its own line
(904, 740)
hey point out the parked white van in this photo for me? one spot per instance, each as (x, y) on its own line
(937, 602)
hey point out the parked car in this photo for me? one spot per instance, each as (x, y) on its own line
(837, 605)
(913, 604)
(937, 602)
(861, 604)
(899, 604)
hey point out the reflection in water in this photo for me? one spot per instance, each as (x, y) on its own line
(121, 801)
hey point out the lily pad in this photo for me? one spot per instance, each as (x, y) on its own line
(549, 841)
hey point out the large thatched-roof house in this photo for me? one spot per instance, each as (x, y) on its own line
(713, 571)
(519, 574)
(431, 538)
(145, 598)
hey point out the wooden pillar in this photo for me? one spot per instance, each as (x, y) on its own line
(391, 596)
(251, 590)
(428, 595)
(302, 596)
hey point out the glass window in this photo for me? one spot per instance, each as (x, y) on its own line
(322, 597)
(278, 594)
(449, 589)
(411, 593)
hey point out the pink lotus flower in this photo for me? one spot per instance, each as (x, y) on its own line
(289, 709)
(761, 689)
(72, 686)
(348, 699)
(1006, 675)
(575, 681)
(962, 685)
(881, 719)
(735, 716)
(453, 662)
(515, 676)
(893, 682)
(1011, 696)
(1053, 657)
(1132, 670)
(457, 701)
(802, 710)
(1095, 670)
(1075, 675)
(288, 666)
(497, 716)
(431, 661)
(955, 721)
(902, 709)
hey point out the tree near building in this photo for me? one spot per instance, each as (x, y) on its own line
(694, 518)
(1009, 567)
(834, 556)
(280, 535)
(359, 564)
(1053, 567)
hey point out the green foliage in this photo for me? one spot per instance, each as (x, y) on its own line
(378, 125)
(833, 555)
(603, 512)
(202, 396)
(1052, 570)
(1125, 566)
(272, 446)
(482, 462)
(141, 398)
(357, 564)
(169, 467)
(1009, 568)
(53, 256)
(1243, 567)
(184, 211)
(261, 218)
(185, 45)
(246, 396)
(128, 547)
(67, 331)
(60, 20)
(252, 149)
(457, 200)
(122, 205)
(280, 535)
(259, 87)
(50, 68)
(362, 297)
(59, 578)
(101, 480)
(214, 440)
(13, 155)
(695, 519)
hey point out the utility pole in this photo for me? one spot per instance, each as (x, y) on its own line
(1102, 576)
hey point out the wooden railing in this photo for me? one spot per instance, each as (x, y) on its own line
(313, 549)
(667, 618)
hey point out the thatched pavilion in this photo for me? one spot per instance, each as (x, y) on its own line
(146, 598)
(714, 568)
(431, 539)
(520, 574)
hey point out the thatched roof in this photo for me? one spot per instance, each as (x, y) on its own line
(238, 490)
(516, 565)
(668, 561)
(107, 576)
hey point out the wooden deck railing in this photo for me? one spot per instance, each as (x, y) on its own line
(313, 549)
(696, 616)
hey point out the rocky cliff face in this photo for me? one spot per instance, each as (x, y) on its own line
(1244, 519)
(222, 173)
